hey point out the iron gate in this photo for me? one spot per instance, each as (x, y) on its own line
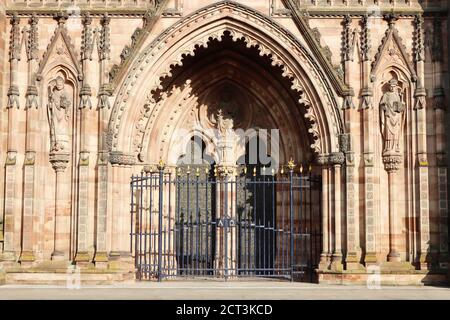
(198, 224)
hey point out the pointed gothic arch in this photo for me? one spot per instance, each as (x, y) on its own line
(298, 64)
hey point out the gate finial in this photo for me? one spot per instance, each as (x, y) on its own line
(291, 164)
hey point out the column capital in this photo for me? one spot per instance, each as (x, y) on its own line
(59, 161)
(337, 158)
(392, 162)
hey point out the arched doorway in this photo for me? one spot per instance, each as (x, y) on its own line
(230, 120)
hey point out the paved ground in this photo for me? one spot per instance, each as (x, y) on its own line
(221, 290)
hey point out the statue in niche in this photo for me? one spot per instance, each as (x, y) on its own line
(392, 108)
(224, 124)
(59, 108)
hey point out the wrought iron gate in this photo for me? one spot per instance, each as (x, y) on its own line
(248, 224)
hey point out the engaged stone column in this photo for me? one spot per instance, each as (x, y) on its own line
(325, 255)
(391, 164)
(59, 163)
(336, 160)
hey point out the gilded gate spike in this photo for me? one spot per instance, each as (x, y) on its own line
(206, 171)
(273, 171)
(282, 170)
(188, 170)
(310, 168)
(197, 172)
(179, 171)
(245, 170)
(301, 168)
(254, 171)
(215, 172)
(291, 164)
(161, 164)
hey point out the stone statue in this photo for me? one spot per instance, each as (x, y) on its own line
(59, 108)
(392, 109)
(224, 125)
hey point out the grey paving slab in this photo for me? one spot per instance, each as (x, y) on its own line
(218, 290)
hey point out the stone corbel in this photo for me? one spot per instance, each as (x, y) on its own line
(420, 96)
(368, 159)
(392, 162)
(103, 97)
(13, 97)
(422, 159)
(348, 101)
(59, 161)
(31, 96)
(366, 102)
(85, 97)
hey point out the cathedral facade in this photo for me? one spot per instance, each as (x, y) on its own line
(95, 93)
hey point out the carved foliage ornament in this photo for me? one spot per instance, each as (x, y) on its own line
(365, 38)
(104, 45)
(87, 39)
(32, 54)
(419, 52)
(14, 56)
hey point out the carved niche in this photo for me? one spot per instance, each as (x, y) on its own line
(392, 109)
(59, 110)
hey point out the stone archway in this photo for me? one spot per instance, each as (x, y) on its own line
(133, 111)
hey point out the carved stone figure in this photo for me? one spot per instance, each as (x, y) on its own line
(59, 107)
(223, 124)
(392, 108)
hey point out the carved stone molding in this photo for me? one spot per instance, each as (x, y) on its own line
(67, 50)
(392, 162)
(30, 157)
(85, 97)
(368, 159)
(347, 41)
(13, 97)
(14, 42)
(323, 159)
(422, 159)
(419, 52)
(11, 158)
(31, 96)
(337, 158)
(121, 158)
(59, 161)
(104, 44)
(344, 142)
(236, 33)
(365, 38)
(103, 96)
(367, 97)
(84, 158)
(33, 38)
(420, 96)
(385, 50)
(87, 38)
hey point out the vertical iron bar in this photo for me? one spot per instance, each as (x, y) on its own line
(225, 225)
(160, 209)
(197, 234)
(291, 208)
(140, 224)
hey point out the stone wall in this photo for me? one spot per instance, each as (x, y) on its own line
(88, 99)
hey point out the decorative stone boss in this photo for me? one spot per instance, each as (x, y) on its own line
(392, 109)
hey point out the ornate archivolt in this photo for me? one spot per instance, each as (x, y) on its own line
(197, 30)
(188, 105)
